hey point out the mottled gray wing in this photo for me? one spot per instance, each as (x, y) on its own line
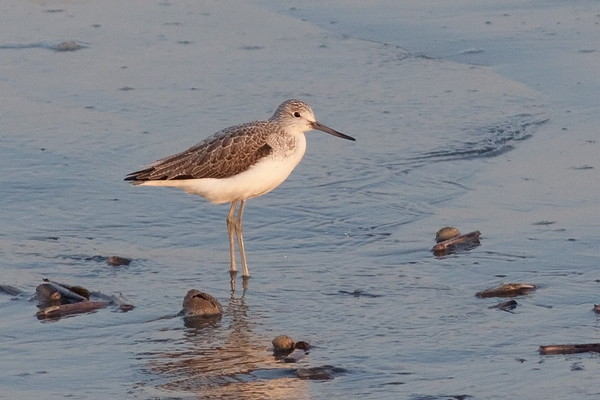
(226, 153)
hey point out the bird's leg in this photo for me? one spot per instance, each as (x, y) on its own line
(238, 231)
(230, 229)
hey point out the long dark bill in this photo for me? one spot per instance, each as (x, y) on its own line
(320, 127)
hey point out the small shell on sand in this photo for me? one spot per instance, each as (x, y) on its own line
(46, 293)
(507, 290)
(449, 240)
(285, 349)
(446, 233)
(70, 45)
(302, 345)
(197, 303)
(283, 344)
(75, 293)
(116, 261)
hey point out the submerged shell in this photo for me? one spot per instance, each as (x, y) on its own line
(197, 303)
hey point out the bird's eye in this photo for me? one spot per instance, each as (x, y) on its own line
(297, 114)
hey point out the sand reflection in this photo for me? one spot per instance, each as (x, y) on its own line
(223, 358)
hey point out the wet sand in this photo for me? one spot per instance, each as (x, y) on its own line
(460, 122)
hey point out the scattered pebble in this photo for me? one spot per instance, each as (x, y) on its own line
(449, 240)
(251, 47)
(46, 293)
(283, 344)
(544, 223)
(570, 348)
(358, 293)
(70, 309)
(70, 293)
(447, 232)
(472, 50)
(70, 45)
(11, 290)
(200, 304)
(285, 349)
(507, 290)
(116, 261)
(57, 300)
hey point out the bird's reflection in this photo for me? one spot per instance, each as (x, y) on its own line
(245, 280)
(221, 357)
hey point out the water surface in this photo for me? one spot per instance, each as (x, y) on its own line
(443, 138)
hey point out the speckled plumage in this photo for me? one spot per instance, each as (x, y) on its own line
(227, 152)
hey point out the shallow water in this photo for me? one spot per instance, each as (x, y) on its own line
(442, 139)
